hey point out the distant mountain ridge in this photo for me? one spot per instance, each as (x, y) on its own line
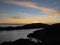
(30, 26)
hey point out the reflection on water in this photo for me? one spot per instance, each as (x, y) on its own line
(14, 35)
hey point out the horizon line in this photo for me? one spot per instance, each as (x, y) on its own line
(27, 23)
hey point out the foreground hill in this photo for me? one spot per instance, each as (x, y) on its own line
(48, 36)
(20, 42)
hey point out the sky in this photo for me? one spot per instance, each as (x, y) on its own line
(29, 11)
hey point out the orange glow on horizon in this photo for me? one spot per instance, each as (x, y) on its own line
(30, 23)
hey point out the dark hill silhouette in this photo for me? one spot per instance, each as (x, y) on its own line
(6, 43)
(21, 42)
(48, 35)
(57, 25)
(28, 26)
(36, 25)
(24, 42)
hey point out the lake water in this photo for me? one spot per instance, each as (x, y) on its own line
(14, 35)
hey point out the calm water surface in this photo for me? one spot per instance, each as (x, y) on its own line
(14, 35)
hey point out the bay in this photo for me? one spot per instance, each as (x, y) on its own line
(15, 34)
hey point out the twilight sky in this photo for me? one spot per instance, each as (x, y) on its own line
(29, 11)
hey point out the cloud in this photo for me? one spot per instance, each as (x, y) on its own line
(30, 18)
(31, 5)
(16, 17)
(27, 19)
(55, 13)
(26, 15)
